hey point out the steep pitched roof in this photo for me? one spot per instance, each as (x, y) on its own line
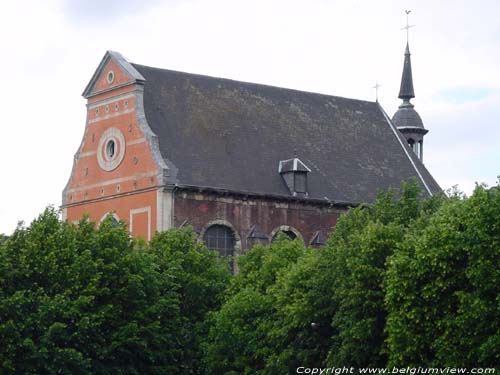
(231, 135)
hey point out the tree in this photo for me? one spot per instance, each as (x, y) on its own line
(443, 287)
(330, 305)
(81, 300)
(239, 340)
(201, 277)
(357, 252)
(317, 308)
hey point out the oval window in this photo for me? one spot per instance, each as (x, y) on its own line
(111, 149)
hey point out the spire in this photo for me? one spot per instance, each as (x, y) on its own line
(406, 119)
(406, 91)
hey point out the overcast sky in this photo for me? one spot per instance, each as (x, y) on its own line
(51, 48)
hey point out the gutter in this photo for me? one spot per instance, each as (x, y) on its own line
(246, 194)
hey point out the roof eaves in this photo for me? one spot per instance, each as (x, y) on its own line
(415, 129)
(323, 202)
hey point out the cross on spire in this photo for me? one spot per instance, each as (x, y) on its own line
(376, 90)
(407, 27)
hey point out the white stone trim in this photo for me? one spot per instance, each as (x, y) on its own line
(108, 116)
(106, 162)
(64, 214)
(113, 181)
(140, 211)
(136, 141)
(112, 213)
(110, 77)
(98, 103)
(151, 137)
(164, 206)
(283, 228)
(86, 154)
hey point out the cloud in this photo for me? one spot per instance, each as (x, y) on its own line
(103, 12)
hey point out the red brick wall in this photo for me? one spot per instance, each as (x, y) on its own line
(200, 209)
(94, 191)
(122, 207)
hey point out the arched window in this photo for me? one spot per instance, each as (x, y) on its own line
(115, 220)
(288, 233)
(221, 238)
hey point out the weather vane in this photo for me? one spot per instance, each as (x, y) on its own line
(407, 27)
(376, 90)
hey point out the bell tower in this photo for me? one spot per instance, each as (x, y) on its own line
(406, 119)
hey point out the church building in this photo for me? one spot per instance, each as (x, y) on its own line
(237, 161)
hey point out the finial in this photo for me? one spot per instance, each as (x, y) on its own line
(376, 90)
(407, 27)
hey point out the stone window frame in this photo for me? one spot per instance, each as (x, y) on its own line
(112, 213)
(110, 77)
(237, 238)
(110, 162)
(285, 228)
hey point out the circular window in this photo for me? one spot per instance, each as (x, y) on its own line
(111, 149)
(110, 77)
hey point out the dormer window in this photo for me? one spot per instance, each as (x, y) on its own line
(300, 182)
(294, 173)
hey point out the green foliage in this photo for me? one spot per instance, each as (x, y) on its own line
(202, 277)
(357, 254)
(404, 282)
(301, 333)
(79, 300)
(293, 307)
(87, 300)
(443, 287)
(240, 338)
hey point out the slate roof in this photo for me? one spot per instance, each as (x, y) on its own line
(407, 117)
(231, 135)
(406, 90)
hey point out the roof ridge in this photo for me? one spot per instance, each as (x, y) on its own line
(205, 76)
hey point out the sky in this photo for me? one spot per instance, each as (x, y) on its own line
(51, 49)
